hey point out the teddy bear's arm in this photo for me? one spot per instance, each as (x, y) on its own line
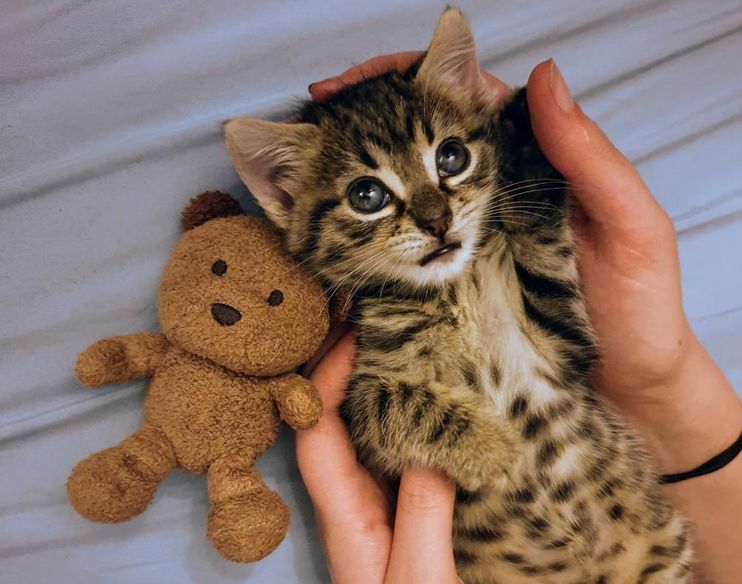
(119, 359)
(298, 401)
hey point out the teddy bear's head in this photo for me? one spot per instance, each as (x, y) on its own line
(230, 293)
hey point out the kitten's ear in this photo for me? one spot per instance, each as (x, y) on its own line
(266, 156)
(451, 60)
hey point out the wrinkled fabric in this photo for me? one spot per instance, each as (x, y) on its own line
(110, 119)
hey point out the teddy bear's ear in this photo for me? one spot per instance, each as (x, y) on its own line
(209, 205)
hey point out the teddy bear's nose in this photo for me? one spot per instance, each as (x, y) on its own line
(225, 314)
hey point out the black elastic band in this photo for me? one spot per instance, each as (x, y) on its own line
(719, 461)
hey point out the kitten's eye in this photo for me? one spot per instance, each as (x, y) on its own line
(275, 298)
(367, 195)
(219, 267)
(452, 157)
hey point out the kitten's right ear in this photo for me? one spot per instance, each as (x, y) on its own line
(451, 65)
(266, 156)
(450, 62)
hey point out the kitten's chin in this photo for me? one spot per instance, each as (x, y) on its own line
(438, 268)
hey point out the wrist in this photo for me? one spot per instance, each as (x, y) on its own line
(691, 417)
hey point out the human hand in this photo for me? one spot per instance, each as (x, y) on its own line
(651, 365)
(400, 62)
(366, 538)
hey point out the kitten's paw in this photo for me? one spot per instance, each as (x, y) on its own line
(487, 459)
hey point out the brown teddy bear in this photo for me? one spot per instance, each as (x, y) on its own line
(237, 316)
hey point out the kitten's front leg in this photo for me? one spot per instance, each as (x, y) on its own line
(397, 423)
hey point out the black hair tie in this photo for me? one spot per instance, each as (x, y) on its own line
(719, 461)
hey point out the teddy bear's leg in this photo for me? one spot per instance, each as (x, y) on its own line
(117, 483)
(247, 520)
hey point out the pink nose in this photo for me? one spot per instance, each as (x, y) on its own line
(438, 226)
(430, 211)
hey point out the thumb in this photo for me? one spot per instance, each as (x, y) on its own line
(330, 370)
(422, 548)
(606, 185)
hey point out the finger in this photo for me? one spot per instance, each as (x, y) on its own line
(352, 511)
(332, 372)
(324, 452)
(604, 182)
(337, 331)
(322, 90)
(325, 449)
(422, 548)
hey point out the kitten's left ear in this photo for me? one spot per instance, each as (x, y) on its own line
(266, 156)
(451, 60)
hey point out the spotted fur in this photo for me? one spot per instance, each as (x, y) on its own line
(478, 365)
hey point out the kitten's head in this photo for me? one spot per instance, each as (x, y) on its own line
(389, 181)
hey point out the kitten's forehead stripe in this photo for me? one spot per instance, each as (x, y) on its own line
(366, 158)
(429, 134)
(410, 126)
(362, 151)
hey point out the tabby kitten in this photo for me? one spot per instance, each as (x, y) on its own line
(433, 203)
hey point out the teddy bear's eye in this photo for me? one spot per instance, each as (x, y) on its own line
(219, 267)
(275, 298)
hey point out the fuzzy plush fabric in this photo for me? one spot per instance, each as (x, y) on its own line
(237, 316)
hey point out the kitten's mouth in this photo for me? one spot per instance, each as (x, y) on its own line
(440, 252)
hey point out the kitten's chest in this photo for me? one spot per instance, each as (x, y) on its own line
(492, 326)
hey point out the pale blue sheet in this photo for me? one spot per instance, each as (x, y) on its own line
(110, 115)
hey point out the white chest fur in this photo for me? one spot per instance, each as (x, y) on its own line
(495, 328)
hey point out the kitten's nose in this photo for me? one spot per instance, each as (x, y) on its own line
(438, 226)
(225, 314)
(430, 210)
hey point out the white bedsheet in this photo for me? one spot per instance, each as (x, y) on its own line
(110, 115)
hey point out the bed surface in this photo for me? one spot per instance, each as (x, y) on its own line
(110, 119)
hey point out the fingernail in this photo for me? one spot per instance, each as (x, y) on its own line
(559, 89)
(320, 82)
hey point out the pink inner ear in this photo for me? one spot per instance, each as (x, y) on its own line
(284, 200)
(451, 61)
(281, 197)
(266, 156)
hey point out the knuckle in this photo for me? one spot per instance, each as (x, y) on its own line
(420, 497)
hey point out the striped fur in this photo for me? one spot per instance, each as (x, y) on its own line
(478, 365)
